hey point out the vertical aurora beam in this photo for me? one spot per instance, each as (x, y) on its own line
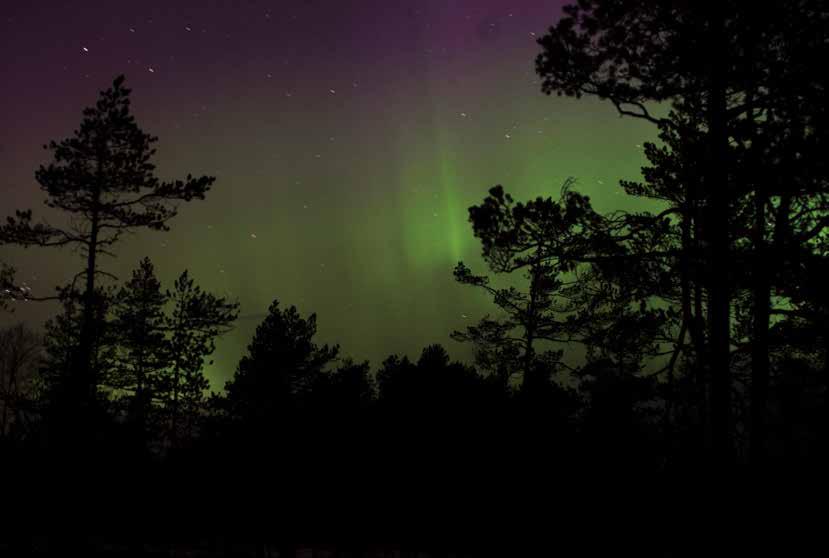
(434, 224)
(454, 213)
(433, 227)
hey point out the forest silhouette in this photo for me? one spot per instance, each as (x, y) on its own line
(704, 329)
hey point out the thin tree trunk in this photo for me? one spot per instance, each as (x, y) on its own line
(529, 337)
(699, 323)
(176, 379)
(82, 382)
(6, 396)
(717, 234)
(826, 385)
(760, 345)
(174, 414)
(692, 309)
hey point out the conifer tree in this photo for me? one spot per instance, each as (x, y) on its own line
(197, 318)
(143, 352)
(546, 240)
(738, 69)
(280, 368)
(103, 178)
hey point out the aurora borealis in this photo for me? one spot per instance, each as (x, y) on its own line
(348, 140)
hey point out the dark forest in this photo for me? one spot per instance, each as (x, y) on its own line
(704, 330)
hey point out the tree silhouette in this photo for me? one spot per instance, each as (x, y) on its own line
(143, 350)
(339, 422)
(719, 62)
(346, 389)
(431, 385)
(198, 317)
(20, 350)
(667, 261)
(7, 286)
(275, 378)
(55, 379)
(545, 239)
(618, 420)
(629, 55)
(436, 421)
(801, 337)
(103, 178)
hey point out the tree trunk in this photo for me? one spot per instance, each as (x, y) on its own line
(530, 323)
(717, 234)
(82, 381)
(701, 364)
(760, 344)
(825, 421)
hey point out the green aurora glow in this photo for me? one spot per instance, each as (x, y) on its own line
(364, 228)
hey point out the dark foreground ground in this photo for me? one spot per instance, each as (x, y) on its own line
(511, 506)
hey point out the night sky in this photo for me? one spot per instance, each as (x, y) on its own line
(348, 140)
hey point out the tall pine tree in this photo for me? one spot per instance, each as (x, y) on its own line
(104, 179)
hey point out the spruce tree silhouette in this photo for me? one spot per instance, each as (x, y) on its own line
(198, 317)
(143, 350)
(103, 177)
(275, 378)
(273, 440)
